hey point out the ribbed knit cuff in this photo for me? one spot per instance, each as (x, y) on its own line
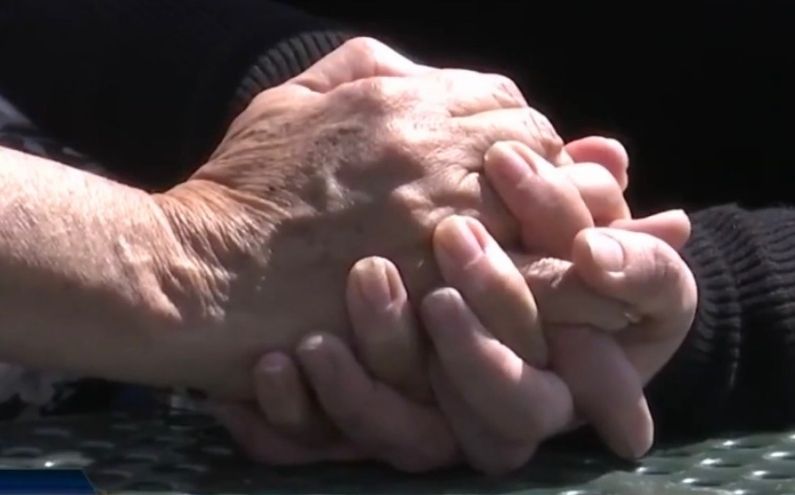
(765, 390)
(737, 366)
(688, 395)
(286, 60)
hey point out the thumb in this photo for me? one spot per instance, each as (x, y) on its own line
(636, 268)
(649, 276)
(356, 59)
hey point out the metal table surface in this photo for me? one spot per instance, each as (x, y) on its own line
(187, 454)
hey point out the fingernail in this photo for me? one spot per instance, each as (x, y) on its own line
(459, 242)
(311, 344)
(606, 251)
(637, 444)
(274, 389)
(397, 291)
(274, 363)
(509, 164)
(373, 282)
(441, 307)
(314, 356)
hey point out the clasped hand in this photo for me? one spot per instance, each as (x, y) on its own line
(543, 307)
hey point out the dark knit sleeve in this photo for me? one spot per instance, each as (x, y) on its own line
(147, 87)
(735, 368)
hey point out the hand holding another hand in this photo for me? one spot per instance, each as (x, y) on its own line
(343, 162)
(489, 396)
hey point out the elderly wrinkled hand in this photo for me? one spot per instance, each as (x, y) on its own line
(345, 161)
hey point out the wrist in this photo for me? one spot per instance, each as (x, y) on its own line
(210, 271)
(214, 240)
(189, 271)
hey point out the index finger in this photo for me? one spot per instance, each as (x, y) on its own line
(546, 203)
(471, 261)
(385, 331)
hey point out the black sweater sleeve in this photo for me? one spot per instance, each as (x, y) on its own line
(736, 368)
(145, 86)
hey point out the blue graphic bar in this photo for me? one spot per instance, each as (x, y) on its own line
(44, 482)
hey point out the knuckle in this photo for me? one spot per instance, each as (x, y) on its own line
(374, 91)
(364, 46)
(666, 271)
(550, 142)
(396, 141)
(547, 275)
(376, 105)
(383, 102)
(655, 271)
(369, 97)
(507, 91)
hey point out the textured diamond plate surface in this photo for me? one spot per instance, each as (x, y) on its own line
(187, 454)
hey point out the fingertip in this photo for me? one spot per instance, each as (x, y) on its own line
(440, 304)
(456, 246)
(605, 251)
(509, 163)
(396, 287)
(312, 344)
(332, 371)
(282, 396)
(614, 263)
(365, 265)
(497, 151)
(671, 226)
(638, 437)
(620, 151)
(445, 314)
(273, 363)
(479, 231)
(608, 152)
(369, 283)
(315, 353)
(274, 381)
(448, 226)
(580, 252)
(683, 227)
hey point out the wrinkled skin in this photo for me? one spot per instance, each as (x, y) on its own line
(325, 170)
(492, 408)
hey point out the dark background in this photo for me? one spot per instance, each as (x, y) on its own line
(700, 93)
